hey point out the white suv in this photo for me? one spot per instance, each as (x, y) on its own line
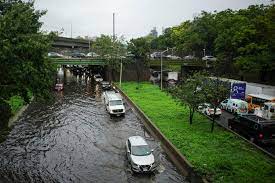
(140, 155)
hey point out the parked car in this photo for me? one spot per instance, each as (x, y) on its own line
(139, 155)
(114, 104)
(92, 55)
(209, 58)
(189, 57)
(257, 129)
(106, 85)
(235, 106)
(98, 78)
(156, 55)
(59, 86)
(173, 57)
(78, 55)
(55, 55)
(208, 109)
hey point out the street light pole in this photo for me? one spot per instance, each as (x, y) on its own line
(161, 67)
(120, 75)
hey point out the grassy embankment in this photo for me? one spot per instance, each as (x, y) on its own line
(16, 102)
(219, 156)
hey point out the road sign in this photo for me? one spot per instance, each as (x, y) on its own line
(238, 91)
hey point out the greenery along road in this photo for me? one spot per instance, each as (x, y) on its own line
(24, 69)
(219, 156)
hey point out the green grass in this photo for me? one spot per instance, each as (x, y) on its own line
(219, 156)
(16, 102)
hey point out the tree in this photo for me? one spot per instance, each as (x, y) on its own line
(190, 94)
(140, 48)
(23, 49)
(114, 51)
(214, 91)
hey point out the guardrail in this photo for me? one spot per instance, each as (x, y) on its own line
(182, 164)
(78, 61)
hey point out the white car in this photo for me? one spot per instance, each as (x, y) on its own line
(173, 57)
(209, 58)
(139, 154)
(98, 78)
(208, 109)
(92, 54)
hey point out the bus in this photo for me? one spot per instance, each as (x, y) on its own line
(258, 100)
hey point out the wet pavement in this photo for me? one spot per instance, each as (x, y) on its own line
(73, 139)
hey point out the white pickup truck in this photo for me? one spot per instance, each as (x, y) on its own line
(267, 111)
(114, 103)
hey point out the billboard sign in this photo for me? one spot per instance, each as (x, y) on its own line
(238, 91)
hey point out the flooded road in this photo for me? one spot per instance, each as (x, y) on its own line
(74, 139)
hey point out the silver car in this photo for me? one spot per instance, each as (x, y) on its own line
(209, 58)
(139, 155)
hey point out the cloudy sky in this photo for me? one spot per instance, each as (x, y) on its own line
(134, 18)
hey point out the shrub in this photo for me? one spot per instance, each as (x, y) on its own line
(5, 113)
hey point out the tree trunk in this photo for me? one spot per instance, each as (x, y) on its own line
(213, 120)
(191, 113)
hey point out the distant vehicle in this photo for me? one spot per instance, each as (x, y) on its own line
(156, 55)
(92, 55)
(208, 109)
(106, 85)
(257, 129)
(139, 155)
(59, 87)
(98, 78)
(189, 57)
(78, 55)
(55, 55)
(235, 106)
(209, 58)
(114, 104)
(129, 54)
(173, 57)
(267, 111)
(258, 100)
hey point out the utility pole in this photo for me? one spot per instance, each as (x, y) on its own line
(120, 75)
(71, 30)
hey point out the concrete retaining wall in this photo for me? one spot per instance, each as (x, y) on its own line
(182, 164)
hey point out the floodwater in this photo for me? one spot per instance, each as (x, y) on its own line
(73, 139)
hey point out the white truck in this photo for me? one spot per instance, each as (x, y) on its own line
(267, 111)
(114, 103)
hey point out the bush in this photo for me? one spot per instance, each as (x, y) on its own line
(5, 113)
(16, 102)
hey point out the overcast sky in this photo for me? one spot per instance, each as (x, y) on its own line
(134, 18)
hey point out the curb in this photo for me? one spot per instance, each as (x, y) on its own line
(181, 162)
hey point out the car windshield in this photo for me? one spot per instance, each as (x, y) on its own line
(115, 102)
(142, 150)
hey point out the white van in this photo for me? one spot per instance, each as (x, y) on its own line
(114, 103)
(235, 106)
